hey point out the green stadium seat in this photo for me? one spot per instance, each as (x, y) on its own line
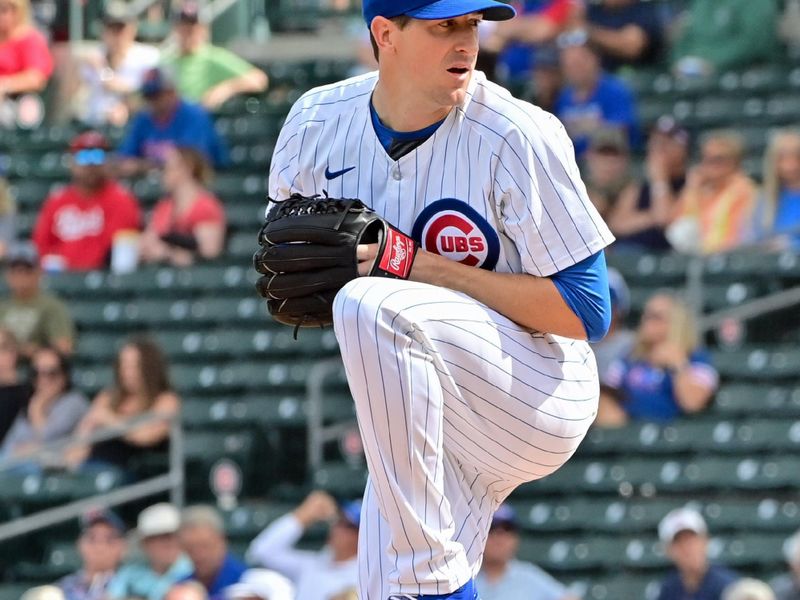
(622, 586)
(644, 553)
(98, 347)
(766, 514)
(244, 412)
(742, 399)
(30, 194)
(247, 521)
(742, 550)
(767, 363)
(92, 378)
(14, 591)
(246, 216)
(341, 480)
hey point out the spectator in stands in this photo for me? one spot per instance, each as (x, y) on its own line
(591, 98)
(8, 218)
(101, 545)
(685, 535)
(43, 592)
(112, 73)
(141, 385)
(715, 208)
(639, 219)
(502, 576)
(517, 41)
(35, 317)
(261, 584)
(748, 589)
(76, 227)
(667, 374)
(54, 410)
(317, 575)
(168, 121)
(191, 590)
(626, 32)
(720, 35)
(205, 73)
(164, 562)
(25, 64)
(787, 586)
(202, 536)
(189, 223)
(609, 174)
(14, 394)
(780, 206)
(546, 79)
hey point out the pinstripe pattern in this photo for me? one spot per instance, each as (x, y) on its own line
(456, 404)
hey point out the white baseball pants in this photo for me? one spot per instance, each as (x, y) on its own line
(457, 405)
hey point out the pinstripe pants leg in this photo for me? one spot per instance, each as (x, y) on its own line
(457, 406)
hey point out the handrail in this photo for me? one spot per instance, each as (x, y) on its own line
(753, 309)
(172, 481)
(319, 434)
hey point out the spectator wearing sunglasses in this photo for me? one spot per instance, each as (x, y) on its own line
(77, 225)
(316, 575)
(667, 374)
(36, 318)
(504, 577)
(53, 411)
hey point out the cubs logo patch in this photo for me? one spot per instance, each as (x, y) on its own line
(453, 229)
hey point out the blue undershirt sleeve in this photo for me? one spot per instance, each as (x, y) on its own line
(584, 287)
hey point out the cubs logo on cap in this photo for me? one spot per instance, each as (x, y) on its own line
(453, 229)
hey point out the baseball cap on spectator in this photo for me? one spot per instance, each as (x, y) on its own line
(159, 519)
(22, 254)
(351, 512)
(609, 139)
(668, 126)
(261, 583)
(190, 13)
(102, 515)
(437, 9)
(505, 517)
(154, 82)
(88, 140)
(678, 520)
(116, 12)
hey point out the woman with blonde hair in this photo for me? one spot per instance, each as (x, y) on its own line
(667, 374)
(25, 60)
(780, 207)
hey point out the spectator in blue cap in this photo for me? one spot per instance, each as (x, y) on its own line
(316, 575)
(167, 122)
(101, 545)
(502, 576)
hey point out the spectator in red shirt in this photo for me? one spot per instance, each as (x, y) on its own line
(76, 228)
(25, 60)
(190, 222)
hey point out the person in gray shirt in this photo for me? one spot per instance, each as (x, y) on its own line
(502, 576)
(53, 410)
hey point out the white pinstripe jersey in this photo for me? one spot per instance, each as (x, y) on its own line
(496, 186)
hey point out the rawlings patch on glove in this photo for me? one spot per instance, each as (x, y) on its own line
(308, 252)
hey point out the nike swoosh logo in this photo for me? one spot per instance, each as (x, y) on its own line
(334, 174)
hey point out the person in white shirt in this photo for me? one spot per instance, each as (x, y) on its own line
(502, 576)
(317, 575)
(112, 74)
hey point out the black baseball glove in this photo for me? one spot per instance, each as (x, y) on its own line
(308, 252)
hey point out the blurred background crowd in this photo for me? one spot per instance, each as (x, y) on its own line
(135, 138)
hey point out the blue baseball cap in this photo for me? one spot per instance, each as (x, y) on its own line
(438, 9)
(505, 516)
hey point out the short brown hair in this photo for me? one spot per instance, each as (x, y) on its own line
(401, 21)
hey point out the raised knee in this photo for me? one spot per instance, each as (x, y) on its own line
(366, 300)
